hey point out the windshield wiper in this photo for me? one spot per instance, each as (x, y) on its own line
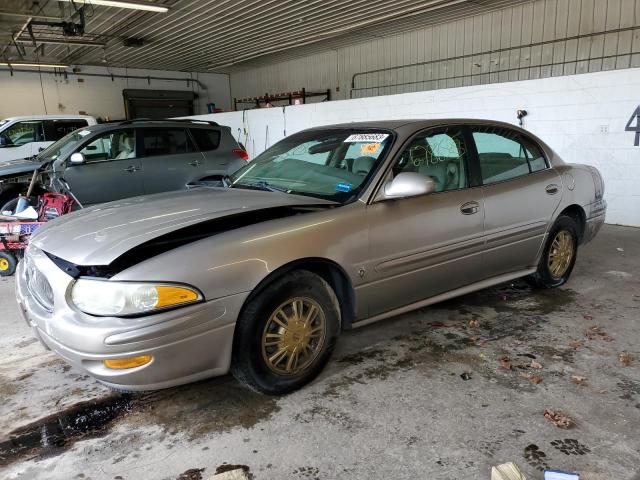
(261, 185)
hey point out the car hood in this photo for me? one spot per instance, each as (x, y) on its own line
(100, 234)
(21, 165)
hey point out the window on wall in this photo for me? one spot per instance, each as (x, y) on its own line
(439, 154)
(501, 154)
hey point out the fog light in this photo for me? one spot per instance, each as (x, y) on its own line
(120, 363)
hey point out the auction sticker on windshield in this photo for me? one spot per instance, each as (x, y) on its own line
(366, 137)
(84, 133)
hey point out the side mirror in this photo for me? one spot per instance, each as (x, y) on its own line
(408, 184)
(77, 158)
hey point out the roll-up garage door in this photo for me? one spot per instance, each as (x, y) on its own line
(157, 103)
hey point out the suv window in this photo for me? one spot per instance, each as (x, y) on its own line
(112, 145)
(440, 154)
(165, 141)
(503, 155)
(206, 139)
(56, 129)
(21, 133)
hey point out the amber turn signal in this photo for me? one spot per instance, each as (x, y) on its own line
(133, 362)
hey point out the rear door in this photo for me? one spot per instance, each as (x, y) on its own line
(169, 158)
(112, 169)
(520, 193)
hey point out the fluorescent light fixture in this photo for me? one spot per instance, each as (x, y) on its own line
(130, 5)
(44, 65)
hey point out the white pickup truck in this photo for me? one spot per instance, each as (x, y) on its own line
(23, 137)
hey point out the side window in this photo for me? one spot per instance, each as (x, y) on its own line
(56, 129)
(22, 133)
(206, 139)
(112, 145)
(165, 141)
(439, 154)
(501, 155)
(535, 156)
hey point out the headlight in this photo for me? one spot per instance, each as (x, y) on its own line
(104, 298)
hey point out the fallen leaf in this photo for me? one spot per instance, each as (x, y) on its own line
(559, 419)
(587, 317)
(625, 359)
(536, 379)
(596, 332)
(505, 362)
(536, 365)
(578, 380)
(465, 376)
(576, 344)
(474, 323)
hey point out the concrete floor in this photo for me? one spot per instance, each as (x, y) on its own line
(392, 403)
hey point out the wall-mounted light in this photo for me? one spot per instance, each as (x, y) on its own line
(129, 5)
(43, 65)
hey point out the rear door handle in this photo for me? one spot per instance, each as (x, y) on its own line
(552, 189)
(195, 163)
(131, 169)
(470, 208)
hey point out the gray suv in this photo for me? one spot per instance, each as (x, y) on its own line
(108, 162)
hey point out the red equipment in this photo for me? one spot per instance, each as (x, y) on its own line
(15, 233)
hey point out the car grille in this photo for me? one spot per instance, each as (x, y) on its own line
(38, 286)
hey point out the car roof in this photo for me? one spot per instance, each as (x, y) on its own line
(418, 123)
(155, 123)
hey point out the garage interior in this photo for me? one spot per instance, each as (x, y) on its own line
(446, 391)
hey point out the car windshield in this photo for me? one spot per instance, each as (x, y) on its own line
(333, 164)
(63, 146)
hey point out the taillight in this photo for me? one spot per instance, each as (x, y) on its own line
(241, 153)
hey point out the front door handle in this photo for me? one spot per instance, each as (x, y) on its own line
(552, 189)
(470, 208)
(131, 169)
(195, 163)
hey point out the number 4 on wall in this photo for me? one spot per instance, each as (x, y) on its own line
(630, 128)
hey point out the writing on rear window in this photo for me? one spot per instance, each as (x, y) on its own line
(366, 137)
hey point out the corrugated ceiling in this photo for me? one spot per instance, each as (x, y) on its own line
(221, 35)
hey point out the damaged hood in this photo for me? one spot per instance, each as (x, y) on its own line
(100, 234)
(21, 165)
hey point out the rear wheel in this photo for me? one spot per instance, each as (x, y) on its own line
(558, 256)
(8, 263)
(286, 334)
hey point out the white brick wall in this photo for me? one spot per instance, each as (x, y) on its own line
(582, 117)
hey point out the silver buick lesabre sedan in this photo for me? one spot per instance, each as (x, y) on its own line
(329, 229)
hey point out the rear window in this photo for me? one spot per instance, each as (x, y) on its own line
(206, 139)
(57, 129)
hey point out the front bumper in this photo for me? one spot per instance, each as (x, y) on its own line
(187, 344)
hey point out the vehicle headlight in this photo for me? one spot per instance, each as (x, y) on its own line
(104, 298)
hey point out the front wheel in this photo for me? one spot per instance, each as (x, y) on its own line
(8, 263)
(286, 334)
(558, 256)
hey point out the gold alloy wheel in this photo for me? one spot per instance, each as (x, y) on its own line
(560, 254)
(294, 336)
(4, 264)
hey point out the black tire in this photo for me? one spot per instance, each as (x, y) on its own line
(544, 277)
(249, 363)
(8, 193)
(8, 263)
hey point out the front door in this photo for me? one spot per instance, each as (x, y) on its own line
(426, 245)
(520, 193)
(111, 170)
(169, 159)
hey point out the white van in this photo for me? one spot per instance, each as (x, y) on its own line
(23, 137)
